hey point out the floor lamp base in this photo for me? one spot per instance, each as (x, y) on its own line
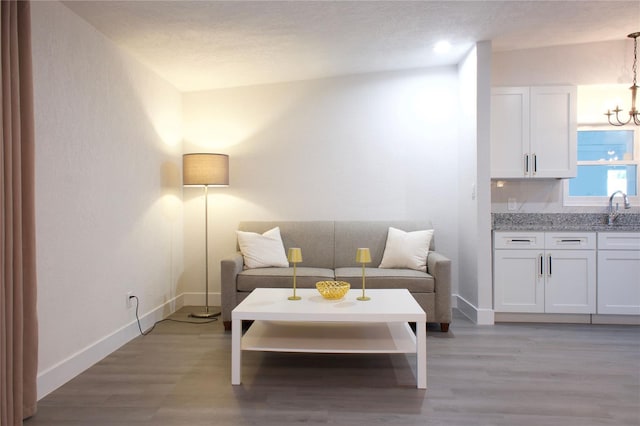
(204, 315)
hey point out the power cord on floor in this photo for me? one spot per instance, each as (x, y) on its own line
(144, 333)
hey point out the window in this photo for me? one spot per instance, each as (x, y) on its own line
(608, 159)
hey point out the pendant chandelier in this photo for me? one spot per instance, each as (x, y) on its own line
(633, 112)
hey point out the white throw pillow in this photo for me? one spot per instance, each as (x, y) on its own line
(262, 251)
(406, 249)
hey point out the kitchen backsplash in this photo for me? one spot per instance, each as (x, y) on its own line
(539, 196)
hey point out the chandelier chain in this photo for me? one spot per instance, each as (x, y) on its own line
(635, 58)
(634, 114)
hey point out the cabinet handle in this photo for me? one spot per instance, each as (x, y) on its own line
(540, 265)
(514, 240)
(570, 241)
(535, 164)
(526, 164)
(549, 265)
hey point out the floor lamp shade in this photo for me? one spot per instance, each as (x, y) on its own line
(205, 169)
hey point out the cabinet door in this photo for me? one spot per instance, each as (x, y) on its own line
(619, 282)
(570, 285)
(509, 132)
(518, 281)
(553, 146)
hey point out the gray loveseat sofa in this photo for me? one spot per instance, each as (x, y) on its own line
(328, 253)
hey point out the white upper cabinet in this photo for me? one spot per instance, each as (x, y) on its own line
(533, 132)
(509, 131)
(554, 135)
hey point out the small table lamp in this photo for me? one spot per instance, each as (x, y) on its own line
(294, 256)
(363, 256)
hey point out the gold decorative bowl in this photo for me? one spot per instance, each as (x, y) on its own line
(333, 289)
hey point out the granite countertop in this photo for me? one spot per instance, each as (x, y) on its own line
(578, 222)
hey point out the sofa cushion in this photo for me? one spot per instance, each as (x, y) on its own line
(262, 250)
(407, 249)
(350, 235)
(412, 280)
(315, 239)
(306, 277)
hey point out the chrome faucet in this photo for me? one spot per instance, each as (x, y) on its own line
(614, 214)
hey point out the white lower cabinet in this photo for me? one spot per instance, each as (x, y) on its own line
(541, 272)
(517, 282)
(570, 286)
(619, 273)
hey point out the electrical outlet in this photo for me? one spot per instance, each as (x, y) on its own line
(512, 204)
(129, 299)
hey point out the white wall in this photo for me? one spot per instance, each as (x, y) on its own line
(468, 184)
(108, 214)
(483, 132)
(581, 64)
(370, 146)
(474, 238)
(595, 68)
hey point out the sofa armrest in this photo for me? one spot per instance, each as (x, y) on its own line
(439, 267)
(230, 267)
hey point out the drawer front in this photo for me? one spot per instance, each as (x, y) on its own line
(570, 240)
(618, 240)
(518, 240)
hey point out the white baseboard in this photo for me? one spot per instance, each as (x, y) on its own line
(454, 300)
(543, 318)
(616, 319)
(477, 315)
(568, 318)
(54, 377)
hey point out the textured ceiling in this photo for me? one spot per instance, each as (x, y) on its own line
(213, 44)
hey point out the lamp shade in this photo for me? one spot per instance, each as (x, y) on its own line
(294, 255)
(363, 255)
(205, 169)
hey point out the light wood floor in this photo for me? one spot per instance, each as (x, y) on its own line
(505, 374)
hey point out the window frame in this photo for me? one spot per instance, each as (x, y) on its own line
(604, 200)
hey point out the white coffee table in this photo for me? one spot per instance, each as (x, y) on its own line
(318, 325)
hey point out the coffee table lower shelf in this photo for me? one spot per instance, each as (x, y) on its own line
(329, 337)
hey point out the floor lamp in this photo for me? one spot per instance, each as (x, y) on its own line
(205, 170)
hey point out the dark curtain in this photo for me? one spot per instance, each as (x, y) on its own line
(18, 317)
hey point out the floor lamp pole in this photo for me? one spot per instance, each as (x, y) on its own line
(206, 313)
